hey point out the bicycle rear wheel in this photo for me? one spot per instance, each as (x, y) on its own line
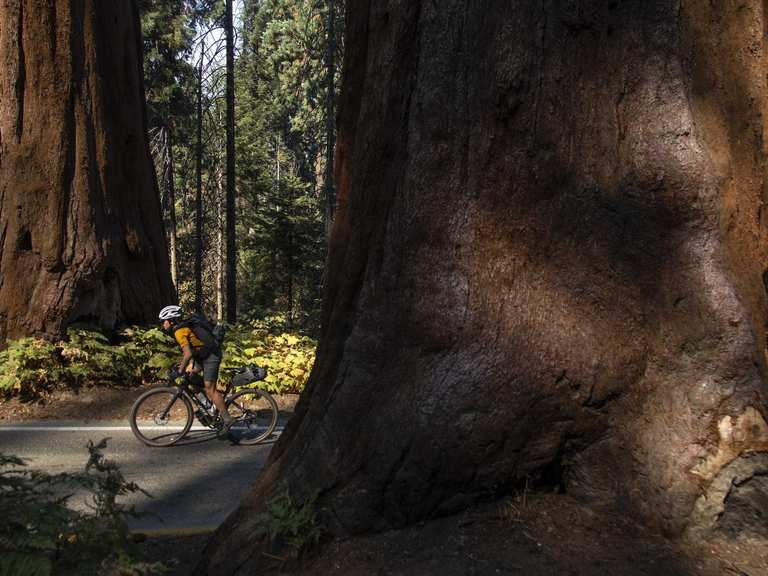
(255, 412)
(161, 416)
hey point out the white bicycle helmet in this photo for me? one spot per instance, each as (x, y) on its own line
(170, 313)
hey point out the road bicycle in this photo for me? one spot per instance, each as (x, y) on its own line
(163, 416)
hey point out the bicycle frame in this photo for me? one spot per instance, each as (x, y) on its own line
(185, 389)
(255, 411)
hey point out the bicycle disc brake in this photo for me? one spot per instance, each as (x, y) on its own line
(161, 420)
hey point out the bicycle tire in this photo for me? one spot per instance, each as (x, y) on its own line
(152, 404)
(255, 412)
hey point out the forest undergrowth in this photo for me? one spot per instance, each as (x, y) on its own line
(43, 535)
(134, 356)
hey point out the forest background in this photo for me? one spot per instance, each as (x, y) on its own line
(535, 294)
(287, 63)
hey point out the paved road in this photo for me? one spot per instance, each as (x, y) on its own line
(194, 485)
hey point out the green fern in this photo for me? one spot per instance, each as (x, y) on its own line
(288, 357)
(288, 522)
(29, 366)
(41, 535)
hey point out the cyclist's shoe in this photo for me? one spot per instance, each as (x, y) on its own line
(226, 423)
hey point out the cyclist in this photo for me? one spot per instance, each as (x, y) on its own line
(197, 357)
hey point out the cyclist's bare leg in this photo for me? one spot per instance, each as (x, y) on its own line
(215, 396)
(218, 401)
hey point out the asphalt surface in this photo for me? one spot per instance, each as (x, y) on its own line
(194, 485)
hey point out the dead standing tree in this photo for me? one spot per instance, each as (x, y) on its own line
(81, 235)
(546, 263)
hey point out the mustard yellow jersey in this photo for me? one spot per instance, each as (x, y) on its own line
(186, 337)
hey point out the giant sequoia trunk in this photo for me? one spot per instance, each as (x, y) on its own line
(547, 262)
(81, 235)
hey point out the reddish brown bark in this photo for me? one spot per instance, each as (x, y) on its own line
(546, 265)
(81, 234)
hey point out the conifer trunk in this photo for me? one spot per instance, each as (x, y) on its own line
(221, 252)
(231, 230)
(547, 264)
(199, 187)
(330, 118)
(170, 200)
(81, 235)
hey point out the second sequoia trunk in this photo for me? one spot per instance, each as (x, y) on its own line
(547, 263)
(81, 236)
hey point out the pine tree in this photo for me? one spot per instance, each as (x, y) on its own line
(167, 32)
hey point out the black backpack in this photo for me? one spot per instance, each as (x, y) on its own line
(211, 335)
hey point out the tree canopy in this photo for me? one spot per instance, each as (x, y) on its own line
(280, 137)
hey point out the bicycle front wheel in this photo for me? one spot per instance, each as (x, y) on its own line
(161, 416)
(255, 412)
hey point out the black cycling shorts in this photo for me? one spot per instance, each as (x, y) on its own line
(210, 365)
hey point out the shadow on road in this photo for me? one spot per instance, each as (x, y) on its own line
(201, 436)
(205, 490)
(198, 437)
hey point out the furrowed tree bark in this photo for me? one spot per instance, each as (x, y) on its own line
(81, 234)
(547, 262)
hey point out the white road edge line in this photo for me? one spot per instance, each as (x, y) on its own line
(87, 428)
(101, 429)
